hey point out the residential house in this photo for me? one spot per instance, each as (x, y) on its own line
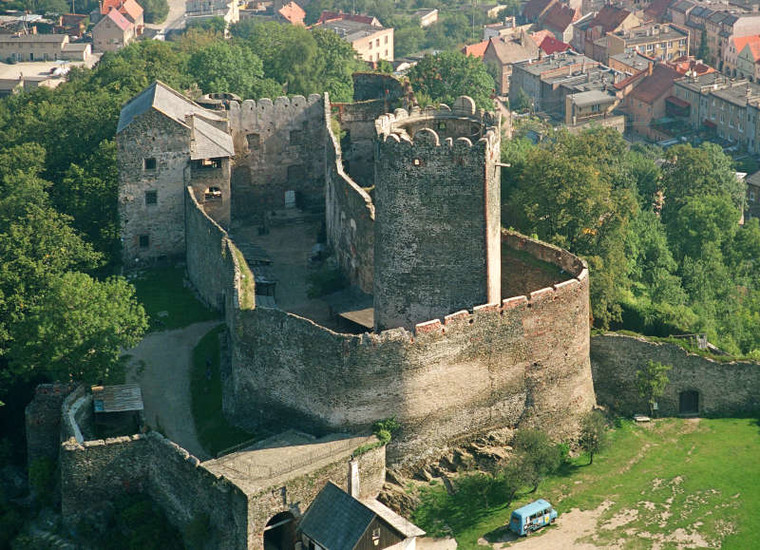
(130, 9)
(752, 207)
(746, 50)
(200, 10)
(41, 47)
(690, 65)
(502, 53)
(338, 521)
(678, 12)
(73, 24)
(505, 28)
(718, 28)
(113, 32)
(647, 101)
(292, 13)
(658, 41)
(550, 45)
(657, 11)
(558, 19)
(426, 16)
(369, 38)
(607, 20)
(476, 50)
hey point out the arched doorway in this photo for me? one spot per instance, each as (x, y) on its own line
(688, 402)
(280, 532)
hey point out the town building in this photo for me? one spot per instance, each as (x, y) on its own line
(745, 57)
(501, 53)
(717, 28)
(292, 13)
(657, 41)
(591, 28)
(629, 63)
(41, 47)
(426, 16)
(646, 103)
(113, 32)
(199, 10)
(558, 20)
(370, 39)
(752, 207)
(130, 9)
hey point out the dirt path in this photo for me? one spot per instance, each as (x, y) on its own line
(161, 365)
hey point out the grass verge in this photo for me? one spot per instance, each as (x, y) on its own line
(694, 479)
(167, 301)
(214, 432)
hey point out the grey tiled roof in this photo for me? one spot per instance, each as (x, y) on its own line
(210, 142)
(336, 520)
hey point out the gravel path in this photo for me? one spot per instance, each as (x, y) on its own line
(161, 365)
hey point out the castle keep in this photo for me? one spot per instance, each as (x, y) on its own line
(429, 339)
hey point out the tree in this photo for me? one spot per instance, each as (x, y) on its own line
(704, 50)
(538, 456)
(651, 382)
(593, 433)
(447, 75)
(225, 67)
(155, 10)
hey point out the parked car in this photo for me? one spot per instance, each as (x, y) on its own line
(531, 517)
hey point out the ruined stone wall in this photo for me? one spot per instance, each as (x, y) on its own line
(437, 204)
(279, 147)
(371, 86)
(297, 494)
(204, 179)
(724, 387)
(521, 362)
(43, 421)
(152, 136)
(349, 218)
(96, 472)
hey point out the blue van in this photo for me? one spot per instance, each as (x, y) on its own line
(531, 517)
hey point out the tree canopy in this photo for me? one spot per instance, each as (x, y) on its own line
(445, 76)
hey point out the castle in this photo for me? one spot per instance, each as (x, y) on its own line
(450, 324)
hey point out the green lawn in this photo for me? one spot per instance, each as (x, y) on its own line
(214, 432)
(696, 475)
(167, 301)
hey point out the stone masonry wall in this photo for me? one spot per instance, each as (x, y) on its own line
(437, 209)
(521, 362)
(152, 136)
(98, 471)
(280, 147)
(724, 388)
(349, 218)
(43, 421)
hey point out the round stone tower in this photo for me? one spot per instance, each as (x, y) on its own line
(437, 213)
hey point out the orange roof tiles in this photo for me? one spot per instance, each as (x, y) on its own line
(476, 50)
(292, 13)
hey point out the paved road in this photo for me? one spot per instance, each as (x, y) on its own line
(161, 365)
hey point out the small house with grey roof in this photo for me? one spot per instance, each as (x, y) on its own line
(166, 143)
(338, 521)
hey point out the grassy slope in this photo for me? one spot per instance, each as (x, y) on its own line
(214, 432)
(696, 471)
(162, 290)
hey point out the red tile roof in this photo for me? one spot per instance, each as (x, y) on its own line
(339, 16)
(741, 42)
(539, 36)
(559, 17)
(293, 13)
(476, 50)
(122, 22)
(106, 5)
(685, 64)
(131, 10)
(656, 10)
(656, 85)
(550, 45)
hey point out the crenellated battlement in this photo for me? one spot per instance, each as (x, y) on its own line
(460, 126)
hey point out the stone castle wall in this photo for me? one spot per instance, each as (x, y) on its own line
(724, 387)
(43, 421)
(280, 147)
(349, 218)
(437, 204)
(521, 362)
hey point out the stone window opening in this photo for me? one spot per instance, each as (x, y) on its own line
(417, 162)
(151, 197)
(376, 536)
(212, 194)
(207, 164)
(144, 241)
(150, 163)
